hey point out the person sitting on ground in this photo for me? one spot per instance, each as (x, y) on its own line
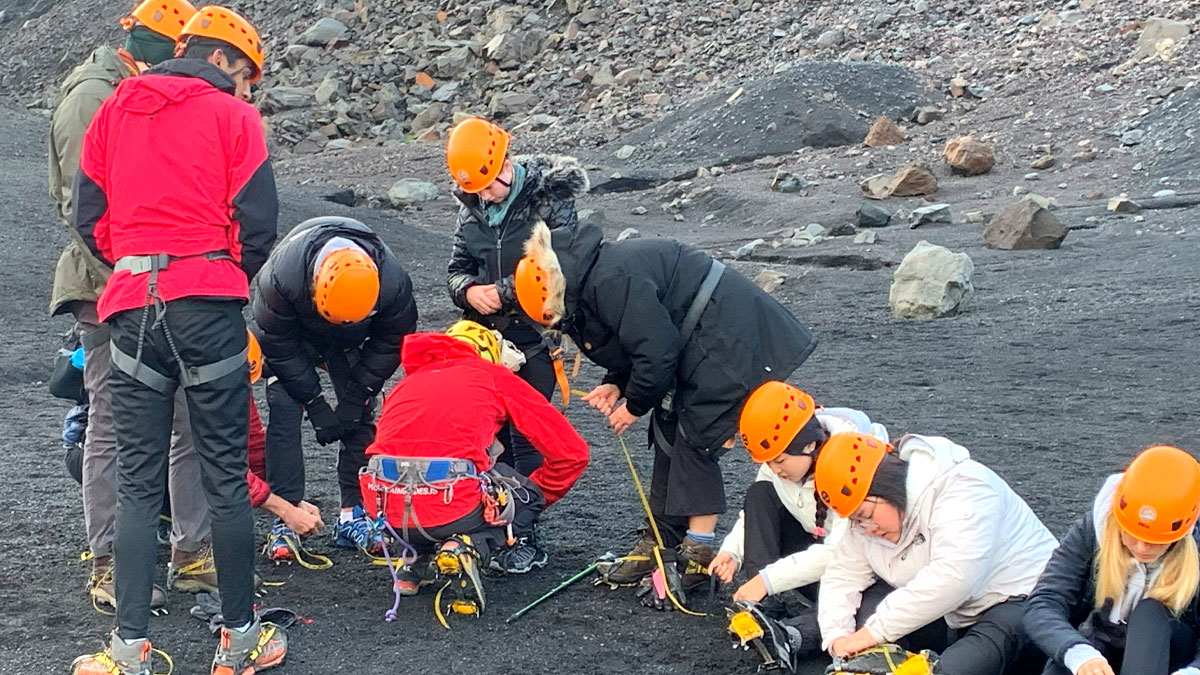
(451, 405)
(785, 536)
(1120, 594)
(500, 198)
(331, 295)
(683, 339)
(940, 555)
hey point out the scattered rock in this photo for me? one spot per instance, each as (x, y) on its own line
(872, 215)
(1133, 137)
(786, 182)
(423, 79)
(926, 114)
(1123, 204)
(747, 249)
(930, 215)
(278, 99)
(1018, 191)
(769, 280)
(958, 86)
(638, 211)
(592, 217)
(834, 37)
(809, 234)
(1024, 226)
(865, 237)
(912, 180)
(883, 132)
(407, 191)
(931, 282)
(1092, 196)
(974, 217)
(1042, 163)
(1033, 176)
(629, 233)
(625, 151)
(876, 187)
(344, 197)
(843, 230)
(1043, 202)
(323, 32)
(1155, 33)
(1163, 194)
(967, 156)
(508, 102)
(432, 115)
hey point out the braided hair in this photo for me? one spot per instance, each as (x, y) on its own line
(812, 433)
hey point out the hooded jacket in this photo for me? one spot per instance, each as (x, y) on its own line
(294, 337)
(451, 404)
(174, 164)
(623, 303)
(1064, 598)
(78, 276)
(486, 255)
(800, 499)
(967, 543)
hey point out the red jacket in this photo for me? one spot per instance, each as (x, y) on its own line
(451, 404)
(173, 163)
(256, 451)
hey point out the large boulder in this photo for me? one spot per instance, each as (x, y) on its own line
(408, 191)
(932, 281)
(323, 32)
(1023, 226)
(967, 156)
(912, 180)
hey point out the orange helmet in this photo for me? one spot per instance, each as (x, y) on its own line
(347, 286)
(845, 469)
(165, 17)
(475, 153)
(529, 282)
(772, 416)
(254, 356)
(1158, 499)
(222, 23)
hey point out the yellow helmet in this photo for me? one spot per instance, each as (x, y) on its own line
(483, 340)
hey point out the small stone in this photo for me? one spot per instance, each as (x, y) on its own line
(1017, 191)
(747, 249)
(1139, 219)
(1123, 204)
(638, 211)
(1155, 34)
(323, 32)
(511, 102)
(1104, 89)
(865, 237)
(1042, 202)
(930, 215)
(628, 76)
(926, 114)
(423, 79)
(843, 230)
(883, 132)
(872, 215)
(810, 234)
(326, 90)
(974, 217)
(1092, 196)
(967, 156)
(831, 38)
(958, 86)
(678, 217)
(628, 233)
(787, 182)
(769, 280)
(408, 191)
(1033, 176)
(1163, 194)
(625, 151)
(913, 180)
(592, 217)
(1024, 226)
(876, 187)
(1043, 162)
(1133, 137)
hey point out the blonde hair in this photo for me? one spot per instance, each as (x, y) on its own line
(1176, 584)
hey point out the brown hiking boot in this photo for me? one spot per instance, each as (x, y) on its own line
(631, 567)
(261, 647)
(193, 572)
(103, 589)
(694, 559)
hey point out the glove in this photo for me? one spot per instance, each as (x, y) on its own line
(350, 414)
(324, 421)
(879, 661)
(652, 590)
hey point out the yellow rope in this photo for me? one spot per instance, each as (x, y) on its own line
(298, 552)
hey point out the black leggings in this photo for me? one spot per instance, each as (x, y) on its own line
(519, 453)
(1156, 643)
(770, 530)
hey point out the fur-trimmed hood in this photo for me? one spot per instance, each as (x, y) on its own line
(556, 177)
(539, 247)
(566, 258)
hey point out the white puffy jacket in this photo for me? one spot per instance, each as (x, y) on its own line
(967, 543)
(803, 567)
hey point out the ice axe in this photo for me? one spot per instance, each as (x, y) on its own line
(608, 557)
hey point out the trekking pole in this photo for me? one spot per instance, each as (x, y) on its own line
(606, 558)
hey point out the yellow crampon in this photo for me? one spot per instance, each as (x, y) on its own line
(460, 579)
(304, 557)
(749, 634)
(911, 664)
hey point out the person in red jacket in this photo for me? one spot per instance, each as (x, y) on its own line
(184, 224)
(450, 405)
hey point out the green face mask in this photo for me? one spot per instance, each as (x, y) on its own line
(146, 45)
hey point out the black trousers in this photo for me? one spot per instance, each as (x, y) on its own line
(1156, 643)
(538, 371)
(284, 452)
(528, 504)
(684, 482)
(770, 530)
(996, 644)
(203, 332)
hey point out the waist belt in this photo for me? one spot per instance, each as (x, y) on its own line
(101, 335)
(189, 376)
(141, 264)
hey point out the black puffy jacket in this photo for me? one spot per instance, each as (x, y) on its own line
(486, 255)
(624, 304)
(294, 336)
(1064, 598)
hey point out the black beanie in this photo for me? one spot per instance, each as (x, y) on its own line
(812, 431)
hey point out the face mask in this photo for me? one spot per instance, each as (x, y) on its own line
(147, 46)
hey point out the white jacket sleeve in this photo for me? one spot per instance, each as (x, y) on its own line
(849, 574)
(964, 528)
(735, 542)
(805, 567)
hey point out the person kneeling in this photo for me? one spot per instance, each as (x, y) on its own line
(1122, 587)
(432, 469)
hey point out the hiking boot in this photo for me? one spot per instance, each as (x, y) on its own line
(262, 646)
(694, 559)
(633, 566)
(358, 533)
(457, 561)
(103, 589)
(525, 555)
(778, 644)
(117, 658)
(279, 546)
(193, 572)
(410, 578)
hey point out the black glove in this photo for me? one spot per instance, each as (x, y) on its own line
(324, 421)
(350, 414)
(652, 590)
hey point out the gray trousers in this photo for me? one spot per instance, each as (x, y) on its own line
(189, 505)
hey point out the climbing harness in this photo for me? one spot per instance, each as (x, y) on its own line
(131, 365)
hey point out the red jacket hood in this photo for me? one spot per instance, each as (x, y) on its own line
(422, 349)
(149, 94)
